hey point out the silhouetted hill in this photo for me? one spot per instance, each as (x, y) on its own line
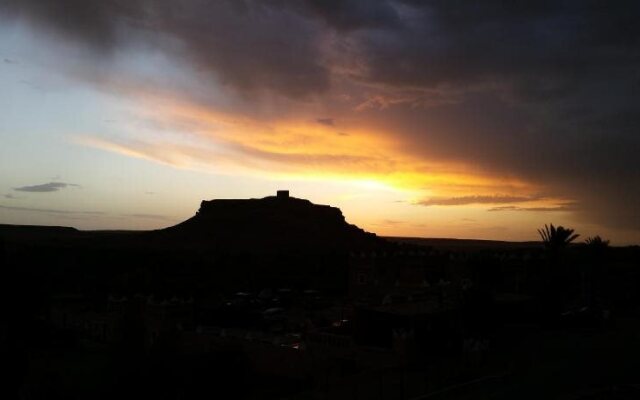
(271, 224)
(35, 231)
(228, 243)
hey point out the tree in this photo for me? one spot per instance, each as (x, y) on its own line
(597, 242)
(597, 251)
(557, 238)
(557, 276)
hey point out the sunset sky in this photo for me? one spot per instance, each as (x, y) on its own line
(417, 118)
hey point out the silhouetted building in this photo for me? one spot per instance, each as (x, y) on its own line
(376, 275)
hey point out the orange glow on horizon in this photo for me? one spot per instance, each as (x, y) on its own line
(302, 149)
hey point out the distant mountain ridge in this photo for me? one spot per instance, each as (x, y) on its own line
(270, 224)
(464, 244)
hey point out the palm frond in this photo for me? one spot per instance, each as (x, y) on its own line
(557, 237)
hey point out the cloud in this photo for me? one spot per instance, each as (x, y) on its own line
(52, 211)
(150, 216)
(349, 15)
(561, 208)
(213, 36)
(46, 187)
(295, 47)
(10, 196)
(452, 42)
(466, 200)
(325, 121)
(543, 92)
(83, 214)
(388, 223)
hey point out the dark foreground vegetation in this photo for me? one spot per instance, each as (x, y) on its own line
(280, 298)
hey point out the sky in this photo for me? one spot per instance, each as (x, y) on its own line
(417, 118)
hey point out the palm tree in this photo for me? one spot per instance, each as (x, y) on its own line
(597, 242)
(556, 274)
(556, 238)
(597, 251)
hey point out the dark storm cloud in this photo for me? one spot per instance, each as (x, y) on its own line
(547, 91)
(552, 94)
(96, 22)
(348, 15)
(247, 44)
(45, 187)
(544, 44)
(251, 45)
